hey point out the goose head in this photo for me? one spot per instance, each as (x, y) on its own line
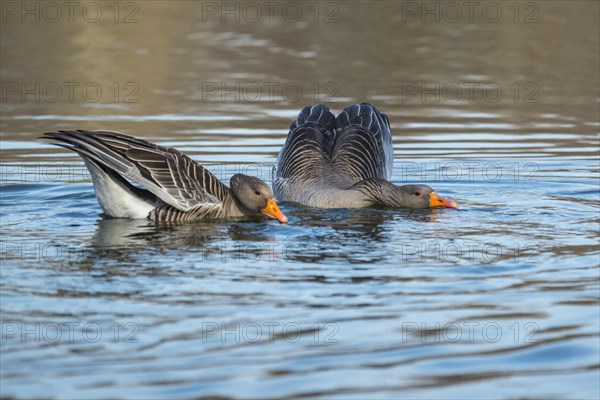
(385, 193)
(422, 196)
(256, 196)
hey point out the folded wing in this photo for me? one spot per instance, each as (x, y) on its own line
(167, 173)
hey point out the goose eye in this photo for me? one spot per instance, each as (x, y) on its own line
(418, 193)
(256, 192)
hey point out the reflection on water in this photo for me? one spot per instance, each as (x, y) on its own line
(498, 298)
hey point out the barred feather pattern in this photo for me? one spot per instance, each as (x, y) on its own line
(182, 187)
(363, 143)
(206, 212)
(324, 156)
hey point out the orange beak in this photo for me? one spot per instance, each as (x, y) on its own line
(435, 200)
(272, 211)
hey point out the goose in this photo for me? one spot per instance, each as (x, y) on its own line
(344, 162)
(174, 188)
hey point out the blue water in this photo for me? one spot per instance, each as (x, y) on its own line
(497, 299)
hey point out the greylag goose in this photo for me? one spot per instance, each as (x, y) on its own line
(344, 162)
(175, 187)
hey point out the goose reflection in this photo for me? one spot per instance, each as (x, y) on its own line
(131, 242)
(319, 236)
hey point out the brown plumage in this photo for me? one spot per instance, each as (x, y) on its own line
(174, 187)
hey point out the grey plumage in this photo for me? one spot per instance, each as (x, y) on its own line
(342, 162)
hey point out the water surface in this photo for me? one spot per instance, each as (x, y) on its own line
(498, 299)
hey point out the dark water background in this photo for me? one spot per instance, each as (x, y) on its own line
(498, 110)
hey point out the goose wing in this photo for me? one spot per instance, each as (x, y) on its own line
(307, 149)
(167, 173)
(363, 143)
